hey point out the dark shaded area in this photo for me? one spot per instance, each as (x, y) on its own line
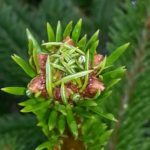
(32, 2)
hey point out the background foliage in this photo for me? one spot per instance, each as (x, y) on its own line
(120, 22)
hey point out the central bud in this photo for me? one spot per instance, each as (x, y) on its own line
(65, 70)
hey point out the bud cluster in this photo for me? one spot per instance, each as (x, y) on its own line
(66, 59)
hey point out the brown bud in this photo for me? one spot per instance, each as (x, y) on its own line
(72, 87)
(69, 41)
(56, 93)
(93, 86)
(42, 62)
(69, 88)
(97, 59)
(37, 84)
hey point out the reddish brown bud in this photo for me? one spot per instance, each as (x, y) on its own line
(97, 59)
(56, 93)
(72, 87)
(42, 62)
(69, 41)
(38, 85)
(93, 86)
(69, 88)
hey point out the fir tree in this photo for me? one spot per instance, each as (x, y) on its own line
(130, 101)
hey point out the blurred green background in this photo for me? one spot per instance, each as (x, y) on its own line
(119, 21)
